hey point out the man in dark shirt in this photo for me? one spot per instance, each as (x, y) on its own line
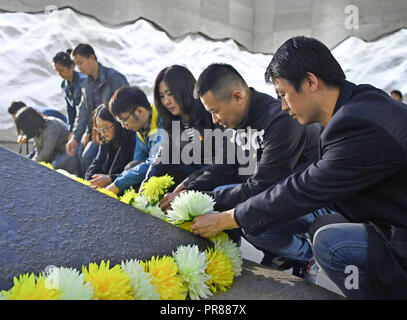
(71, 83)
(362, 172)
(277, 143)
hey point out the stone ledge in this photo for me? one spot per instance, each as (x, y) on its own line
(258, 282)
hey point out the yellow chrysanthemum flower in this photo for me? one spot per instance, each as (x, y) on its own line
(129, 196)
(83, 181)
(164, 272)
(108, 284)
(46, 164)
(156, 187)
(108, 192)
(220, 269)
(231, 250)
(186, 226)
(26, 287)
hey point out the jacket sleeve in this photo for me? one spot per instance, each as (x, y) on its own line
(49, 138)
(283, 147)
(210, 177)
(136, 174)
(355, 155)
(97, 163)
(216, 174)
(83, 116)
(117, 81)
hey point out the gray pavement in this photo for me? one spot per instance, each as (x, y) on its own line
(251, 253)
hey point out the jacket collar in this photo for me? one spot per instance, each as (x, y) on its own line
(344, 96)
(246, 122)
(101, 77)
(152, 126)
(75, 78)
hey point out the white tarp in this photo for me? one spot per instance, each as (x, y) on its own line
(28, 43)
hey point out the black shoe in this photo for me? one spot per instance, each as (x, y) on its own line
(275, 262)
(307, 270)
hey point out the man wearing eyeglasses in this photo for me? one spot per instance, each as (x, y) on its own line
(131, 108)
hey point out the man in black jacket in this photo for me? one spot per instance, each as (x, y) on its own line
(277, 143)
(362, 171)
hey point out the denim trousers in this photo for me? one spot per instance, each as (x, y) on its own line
(290, 240)
(340, 249)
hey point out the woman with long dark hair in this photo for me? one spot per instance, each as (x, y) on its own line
(50, 136)
(116, 149)
(184, 120)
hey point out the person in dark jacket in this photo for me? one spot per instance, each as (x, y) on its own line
(116, 149)
(277, 144)
(71, 83)
(181, 116)
(362, 172)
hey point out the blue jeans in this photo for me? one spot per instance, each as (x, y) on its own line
(341, 251)
(289, 240)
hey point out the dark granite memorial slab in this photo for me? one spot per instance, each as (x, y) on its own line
(49, 219)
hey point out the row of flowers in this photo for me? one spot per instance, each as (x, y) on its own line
(187, 273)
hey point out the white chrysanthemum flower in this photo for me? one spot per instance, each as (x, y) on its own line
(192, 265)
(66, 173)
(70, 283)
(190, 204)
(140, 281)
(143, 204)
(231, 250)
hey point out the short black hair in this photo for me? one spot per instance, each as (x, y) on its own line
(64, 58)
(29, 121)
(84, 50)
(398, 93)
(300, 55)
(219, 79)
(128, 99)
(15, 106)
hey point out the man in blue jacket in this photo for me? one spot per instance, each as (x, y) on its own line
(72, 82)
(362, 172)
(100, 85)
(131, 108)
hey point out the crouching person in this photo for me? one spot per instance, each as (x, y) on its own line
(131, 108)
(50, 136)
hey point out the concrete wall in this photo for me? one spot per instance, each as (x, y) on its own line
(278, 20)
(259, 25)
(216, 18)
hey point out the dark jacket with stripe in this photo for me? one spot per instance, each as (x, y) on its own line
(278, 145)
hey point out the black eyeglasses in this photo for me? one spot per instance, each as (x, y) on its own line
(103, 130)
(124, 121)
